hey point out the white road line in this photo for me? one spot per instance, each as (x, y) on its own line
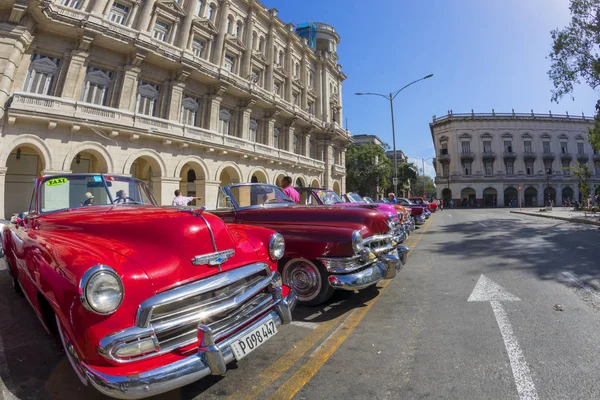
(521, 373)
(576, 281)
(304, 324)
(485, 226)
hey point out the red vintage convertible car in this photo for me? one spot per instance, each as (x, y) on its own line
(145, 299)
(327, 248)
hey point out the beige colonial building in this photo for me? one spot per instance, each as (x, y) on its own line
(482, 159)
(189, 94)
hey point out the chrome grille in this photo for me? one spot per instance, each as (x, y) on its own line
(379, 243)
(224, 302)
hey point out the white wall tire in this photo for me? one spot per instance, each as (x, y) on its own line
(308, 279)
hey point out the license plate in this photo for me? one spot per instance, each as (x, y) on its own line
(249, 342)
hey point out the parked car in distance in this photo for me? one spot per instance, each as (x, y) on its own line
(408, 220)
(327, 248)
(418, 212)
(144, 299)
(422, 202)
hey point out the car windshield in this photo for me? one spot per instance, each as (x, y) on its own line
(355, 198)
(406, 202)
(368, 200)
(61, 192)
(328, 197)
(251, 195)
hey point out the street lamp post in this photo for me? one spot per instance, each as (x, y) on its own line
(391, 98)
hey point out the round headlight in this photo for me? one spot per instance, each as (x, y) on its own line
(101, 290)
(357, 242)
(276, 246)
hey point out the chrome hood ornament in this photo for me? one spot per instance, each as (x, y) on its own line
(214, 259)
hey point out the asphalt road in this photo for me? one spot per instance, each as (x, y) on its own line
(531, 330)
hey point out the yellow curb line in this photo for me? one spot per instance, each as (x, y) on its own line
(301, 377)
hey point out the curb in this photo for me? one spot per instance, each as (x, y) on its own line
(581, 221)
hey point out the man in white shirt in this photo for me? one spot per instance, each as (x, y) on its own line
(180, 200)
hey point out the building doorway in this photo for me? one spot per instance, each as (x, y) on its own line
(511, 197)
(490, 197)
(531, 197)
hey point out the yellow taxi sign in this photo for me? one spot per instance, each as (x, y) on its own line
(56, 181)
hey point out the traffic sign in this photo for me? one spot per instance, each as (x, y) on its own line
(394, 181)
(520, 187)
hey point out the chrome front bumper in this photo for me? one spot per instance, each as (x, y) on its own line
(210, 359)
(386, 267)
(420, 220)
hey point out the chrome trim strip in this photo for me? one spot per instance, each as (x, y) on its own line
(384, 268)
(185, 371)
(214, 282)
(212, 235)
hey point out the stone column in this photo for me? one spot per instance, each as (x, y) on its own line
(128, 96)
(7, 77)
(328, 158)
(320, 85)
(164, 188)
(108, 7)
(84, 5)
(270, 58)
(176, 89)
(246, 113)
(174, 32)
(270, 125)
(214, 107)
(143, 22)
(246, 70)
(217, 56)
(290, 136)
(75, 76)
(290, 71)
(134, 11)
(186, 25)
(304, 81)
(99, 7)
(306, 145)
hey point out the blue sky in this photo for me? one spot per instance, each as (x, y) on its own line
(483, 54)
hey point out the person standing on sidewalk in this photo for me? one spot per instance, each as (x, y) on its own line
(180, 200)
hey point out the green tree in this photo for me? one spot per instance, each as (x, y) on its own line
(368, 169)
(407, 173)
(583, 174)
(422, 184)
(575, 56)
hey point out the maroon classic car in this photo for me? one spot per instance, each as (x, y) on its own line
(144, 299)
(327, 248)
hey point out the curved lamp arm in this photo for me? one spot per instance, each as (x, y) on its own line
(413, 82)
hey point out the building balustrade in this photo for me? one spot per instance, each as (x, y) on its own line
(548, 155)
(566, 156)
(47, 108)
(583, 157)
(488, 155)
(467, 155)
(338, 169)
(509, 155)
(444, 157)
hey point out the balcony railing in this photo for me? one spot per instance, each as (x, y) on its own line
(513, 115)
(49, 108)
(338, 169)
(529, 155)
(467, 155)
(566, 156)
(444, 157)
(488, 155)
(596, 156)
(547, 155)
(509, 155)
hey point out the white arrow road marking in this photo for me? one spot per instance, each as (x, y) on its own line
(488, 290)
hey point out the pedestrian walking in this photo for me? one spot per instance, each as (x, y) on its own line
(180, 200)
(289, 190)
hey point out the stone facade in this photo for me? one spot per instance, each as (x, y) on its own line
(188, 94)
(482, 159)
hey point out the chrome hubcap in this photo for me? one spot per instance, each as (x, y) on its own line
(304, 279)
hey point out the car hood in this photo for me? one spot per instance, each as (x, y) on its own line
(348, 216)
(162, 241)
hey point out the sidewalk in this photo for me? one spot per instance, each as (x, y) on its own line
(564, 214)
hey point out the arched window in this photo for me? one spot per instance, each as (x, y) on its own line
(211, 12)
(230, 25)
(253, 130)
(191, 175)
(276, 138)
(238, 29)
(225, 121)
